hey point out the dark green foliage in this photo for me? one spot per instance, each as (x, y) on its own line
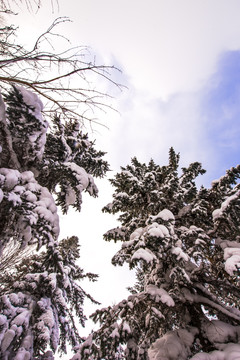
(41, 166)
(26, 129)
(66, 145)
(185, 246)
(151, 188)
(43, 298)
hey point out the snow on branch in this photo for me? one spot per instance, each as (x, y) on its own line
(184, 244)
(30, 206)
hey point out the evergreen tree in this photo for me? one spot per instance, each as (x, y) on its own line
(41, 166)
(185, 246)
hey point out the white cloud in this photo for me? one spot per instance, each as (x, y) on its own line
(202, 125)
(149, 127)
(164, 46)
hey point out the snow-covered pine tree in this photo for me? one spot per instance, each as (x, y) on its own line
(41, 166)
(185, 245)
(42, 305)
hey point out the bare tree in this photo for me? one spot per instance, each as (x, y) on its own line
(61, 78)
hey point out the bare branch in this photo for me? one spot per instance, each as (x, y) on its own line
(55, 74)
(7, 6)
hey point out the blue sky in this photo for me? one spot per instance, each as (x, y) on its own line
(180, 62)
(220, 108)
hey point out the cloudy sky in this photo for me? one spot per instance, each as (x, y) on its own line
(180, 62)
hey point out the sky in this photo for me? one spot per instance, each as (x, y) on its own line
(180, 64)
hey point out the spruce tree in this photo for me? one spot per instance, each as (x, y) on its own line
(43, 167)
(184, 243)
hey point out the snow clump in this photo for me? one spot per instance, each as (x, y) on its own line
(160, 294)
